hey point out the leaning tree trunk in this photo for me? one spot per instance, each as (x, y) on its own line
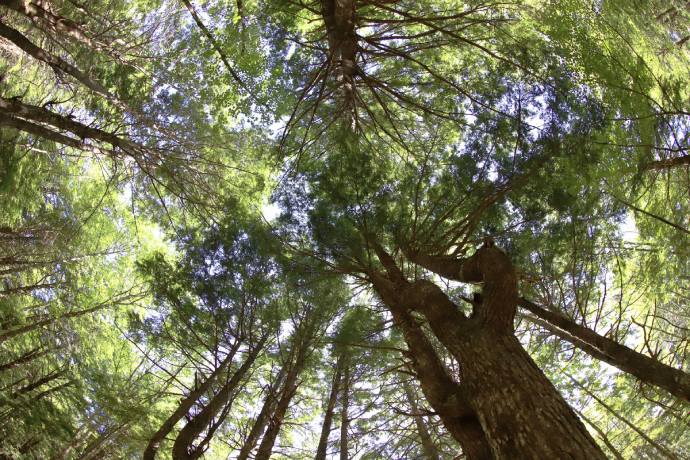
(330, 410)
(262, 419)
(645, 368)
(442, 393)
(185, 405)
(430, 451)
(639, 365)
(182, 448)
(520, 411)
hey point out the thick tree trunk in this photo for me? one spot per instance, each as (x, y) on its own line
(443, 394)
(430, 451)
(262, 419)
(182, 448)
(645, 368)
(340, 17)
(344, 409)
(521, 413)
(330, 410)
(185, 405)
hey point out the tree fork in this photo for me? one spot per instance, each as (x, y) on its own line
(519, 409)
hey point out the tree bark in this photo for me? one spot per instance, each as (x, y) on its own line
(645, 368)
(185, 405)
(182, 448)
(57, 64)
(288, 392)
(344, 408)
(13, 108)
(669, 163)
(262, 419)
(443, 394)
(430, 451)
(58, 23)
(330, 409)
(520, 411)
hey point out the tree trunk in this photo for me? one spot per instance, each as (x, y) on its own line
(182, 448)
(344, 416)
(40, 382)
(25, 358)
(520, 411)
(443, 394)
(330, 409)
(645, 368)
(262, 419)
(430, 451)
(669, 163)
(57, 64)
(185, 405)
(276, 421)
(59, 24)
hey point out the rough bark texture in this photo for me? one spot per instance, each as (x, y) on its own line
(182, 448)
(340, 18)
(185, 405)
(330, 409)
(262, 419)
(443, 394)
(645, 368)
(430, 451)
(521, 413)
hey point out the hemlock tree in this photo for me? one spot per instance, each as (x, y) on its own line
(350, 229)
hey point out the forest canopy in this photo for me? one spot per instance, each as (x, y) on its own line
(354, 229)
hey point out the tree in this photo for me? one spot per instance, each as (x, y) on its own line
(354, 228)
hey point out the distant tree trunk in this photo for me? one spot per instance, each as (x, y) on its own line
(662, 450)
(430, 451)
(6, 335)
(643, 367)
(40, 382)
(669, 163)
(25, 358)
(330, 410)
(182, 448)
(287, 393)
(262, 419)
(186, 404)
(520, 411)
(56, 63)
(344, 409)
